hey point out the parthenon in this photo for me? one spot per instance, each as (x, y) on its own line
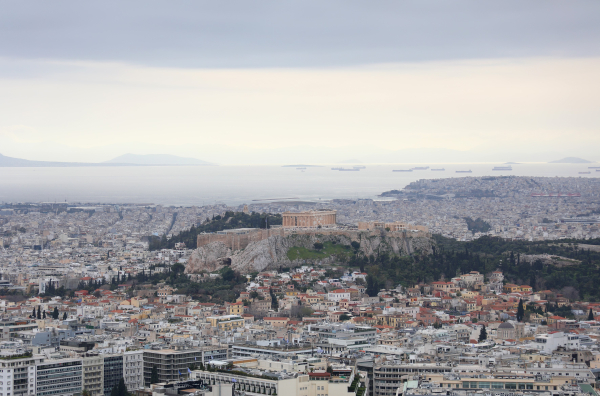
(309, 219)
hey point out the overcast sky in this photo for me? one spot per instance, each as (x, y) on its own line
(323, 79)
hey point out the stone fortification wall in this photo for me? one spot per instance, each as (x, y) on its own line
(237, 241)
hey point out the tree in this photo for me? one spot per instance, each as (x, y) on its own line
(520, 311)
(274, 302)
(178, 268)
(122, 388)
(330, 369)
(33, 313)
(44, 314)
(228, 274)
(154, 375)
(55, 313)
(318, 246)
(372, 286)
(590, 315)
(86, 393)
(39, 313)
(65, 316)
(345, 317)
(482, 334)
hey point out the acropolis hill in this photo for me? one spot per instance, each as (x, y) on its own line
(247, 250)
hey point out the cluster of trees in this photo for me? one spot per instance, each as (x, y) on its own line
(230, 220)
(42, 314)
(52, 291)
(477, 225)
(451, 258)
(225, 288)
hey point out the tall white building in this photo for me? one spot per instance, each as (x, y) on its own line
(133, 369)
(18, 373)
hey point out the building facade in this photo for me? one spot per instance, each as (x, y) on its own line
(113, 372)
(62, 377)
(170, 364)
(310, 219)
(18, 374)
(133, 370)
(93, 375)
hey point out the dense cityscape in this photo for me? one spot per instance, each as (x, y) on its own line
(96, 301)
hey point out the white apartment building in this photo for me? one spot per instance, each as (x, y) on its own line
(133, 369)
(338, 295)
(549, 342)
(18, 373)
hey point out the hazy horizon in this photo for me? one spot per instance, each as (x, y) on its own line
(301, 82)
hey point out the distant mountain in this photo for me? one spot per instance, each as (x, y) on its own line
(124, 160)
(571, 160)
(7, 162)
(155, 159)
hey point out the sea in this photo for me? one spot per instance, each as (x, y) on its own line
(235, 185)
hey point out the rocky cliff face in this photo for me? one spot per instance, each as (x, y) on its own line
(208, 258)
(271, 253)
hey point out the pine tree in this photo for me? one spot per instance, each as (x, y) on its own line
(122, 388)
(520, 311)
(65, 316)
(55, 313)
(372, 286)
(154, 375)
(33, 313)
(590, 315)
(482, 334)
(274, 302)
(39, 313)
(44, 315)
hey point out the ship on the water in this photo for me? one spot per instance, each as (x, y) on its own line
(402, 170)
(593, 167)
(354, 169)
(420, 168)
(585, 173)
(502, 168)
(467, 171)
(438, 169)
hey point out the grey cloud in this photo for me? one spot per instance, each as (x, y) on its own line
(304, 33)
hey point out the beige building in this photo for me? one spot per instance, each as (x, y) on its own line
(317, 383)
(93, 375)
(226, 322)
(310, 219)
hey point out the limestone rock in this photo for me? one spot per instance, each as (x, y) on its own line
(209, 258)
(271, 253)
